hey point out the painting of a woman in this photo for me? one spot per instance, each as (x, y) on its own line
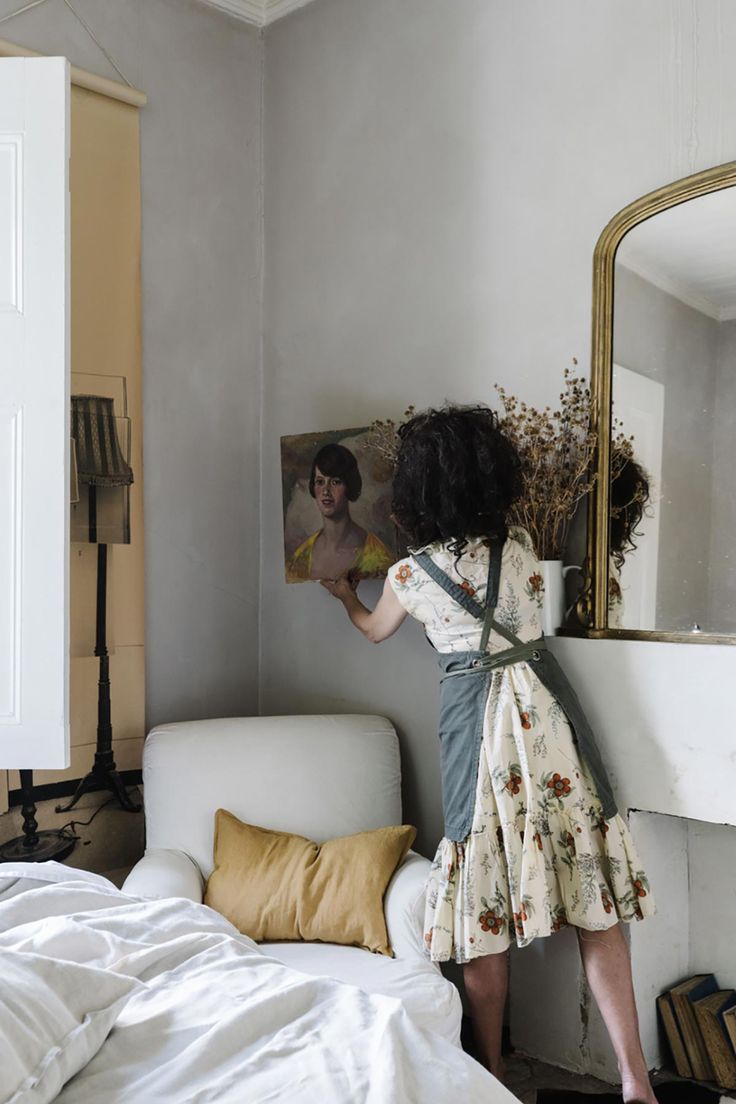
(340, 546)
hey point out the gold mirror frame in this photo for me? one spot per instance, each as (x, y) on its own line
(593, 604)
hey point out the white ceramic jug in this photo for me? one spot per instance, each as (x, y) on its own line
(555, 605)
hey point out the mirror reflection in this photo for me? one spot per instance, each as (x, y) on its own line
(673, 506)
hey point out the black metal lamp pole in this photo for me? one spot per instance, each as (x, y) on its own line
(104, 774)
(34, 846)
(99, 461)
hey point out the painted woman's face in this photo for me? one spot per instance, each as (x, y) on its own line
(330, 494)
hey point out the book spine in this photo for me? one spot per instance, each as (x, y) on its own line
(719, 1049)
(729, 1021)
(674, 1038)
(696, 1052)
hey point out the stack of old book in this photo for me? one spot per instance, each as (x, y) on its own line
(700, 1023)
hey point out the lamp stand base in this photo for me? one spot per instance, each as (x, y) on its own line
(102, 778)
(47, 845)
(104, 774)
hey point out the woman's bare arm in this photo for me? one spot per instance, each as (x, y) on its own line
(375, 625)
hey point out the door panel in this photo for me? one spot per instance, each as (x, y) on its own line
(34, 412)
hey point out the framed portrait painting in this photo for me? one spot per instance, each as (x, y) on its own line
(337, 507)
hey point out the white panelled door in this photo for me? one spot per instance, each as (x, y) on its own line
(34, 413)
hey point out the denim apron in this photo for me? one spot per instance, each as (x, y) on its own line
(464, 689)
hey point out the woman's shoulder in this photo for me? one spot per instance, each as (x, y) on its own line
(403, 571)
(519, 536)
(476, 548)
(408, 582)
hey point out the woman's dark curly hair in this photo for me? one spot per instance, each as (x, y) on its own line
(629, 496)
(338, 462)
(456, 476)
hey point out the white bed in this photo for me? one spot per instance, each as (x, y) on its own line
(209, 1017)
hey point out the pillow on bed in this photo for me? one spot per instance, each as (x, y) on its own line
(54, 1016)
(274, 886)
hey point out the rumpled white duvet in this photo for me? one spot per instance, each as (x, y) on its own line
(214, 1019)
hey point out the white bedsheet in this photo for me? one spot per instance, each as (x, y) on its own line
(217, 1019)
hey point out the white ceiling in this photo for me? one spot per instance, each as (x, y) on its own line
(258, 12)
(690, 252)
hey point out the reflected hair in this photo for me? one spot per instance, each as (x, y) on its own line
(630, 492)
(339, 463)
(457, 475)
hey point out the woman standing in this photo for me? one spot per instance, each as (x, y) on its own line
(533, 841)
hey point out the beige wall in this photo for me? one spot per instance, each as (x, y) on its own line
(106, 341)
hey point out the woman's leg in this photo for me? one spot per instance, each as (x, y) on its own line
(608, 970)
(486, 985)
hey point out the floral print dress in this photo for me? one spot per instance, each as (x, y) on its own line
(539, 855)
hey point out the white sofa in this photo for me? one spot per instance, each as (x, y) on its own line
(320, 777)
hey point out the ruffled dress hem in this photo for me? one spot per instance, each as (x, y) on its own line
(576, 871)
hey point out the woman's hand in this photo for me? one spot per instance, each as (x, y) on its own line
(339, 587)
(343, 588)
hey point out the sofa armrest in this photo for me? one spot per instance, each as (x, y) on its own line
(165, 873)
(403, 906)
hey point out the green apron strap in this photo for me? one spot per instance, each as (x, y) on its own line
(532, 649)
(506, 633)
(494, 576)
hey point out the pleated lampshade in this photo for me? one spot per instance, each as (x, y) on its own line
(100, 459)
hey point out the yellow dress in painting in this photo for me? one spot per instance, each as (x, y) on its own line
(372, 560)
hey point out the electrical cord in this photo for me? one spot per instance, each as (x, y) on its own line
(67, 831)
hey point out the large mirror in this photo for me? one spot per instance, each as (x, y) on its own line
(662, 527)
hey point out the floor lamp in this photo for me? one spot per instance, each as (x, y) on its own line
(35, 846)
(104, 470)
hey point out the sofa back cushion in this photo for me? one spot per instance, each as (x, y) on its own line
(319, 777)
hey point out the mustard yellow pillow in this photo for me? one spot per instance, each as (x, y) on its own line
(274, 886)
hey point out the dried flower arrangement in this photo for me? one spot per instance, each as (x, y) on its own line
(383, 436)
(556, 450)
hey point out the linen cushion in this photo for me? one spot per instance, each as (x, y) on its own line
(277, 886)
(54, 1017)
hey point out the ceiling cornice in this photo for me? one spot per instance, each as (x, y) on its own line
(258, 12)
(250, 11)
(275, 9)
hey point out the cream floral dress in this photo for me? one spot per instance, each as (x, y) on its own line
(539, 855)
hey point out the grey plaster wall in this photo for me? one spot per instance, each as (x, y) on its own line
(201, 182)
(436, 177)
(660, 337)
